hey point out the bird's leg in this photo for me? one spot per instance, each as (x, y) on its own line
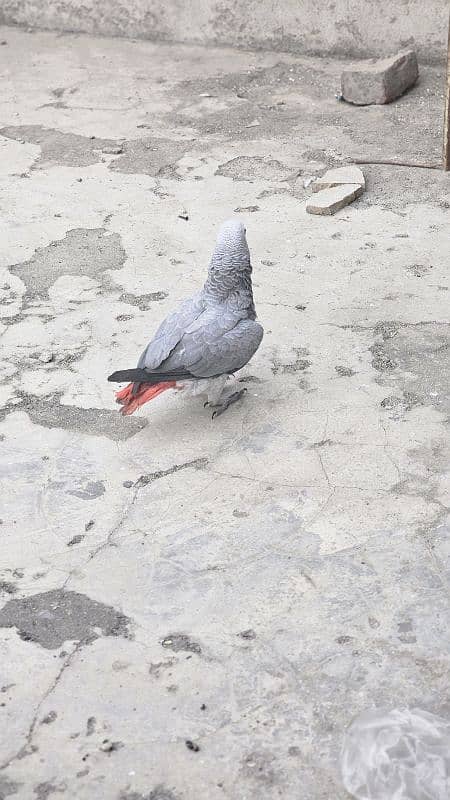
(227, 402)
(219, 400)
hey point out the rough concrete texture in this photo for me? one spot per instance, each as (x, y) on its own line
(351, 27)
(379, 81)
(211, 603)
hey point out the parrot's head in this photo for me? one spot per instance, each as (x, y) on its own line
(230, 268)
(231, 240)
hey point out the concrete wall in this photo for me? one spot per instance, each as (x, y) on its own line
(353, 27)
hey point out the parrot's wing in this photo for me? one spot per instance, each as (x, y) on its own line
(215, 345)
(170, 332)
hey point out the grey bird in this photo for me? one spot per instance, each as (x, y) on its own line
(207, 339)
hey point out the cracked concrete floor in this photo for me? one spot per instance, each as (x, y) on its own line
(195, 610)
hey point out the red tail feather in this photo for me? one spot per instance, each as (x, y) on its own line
(130, 402)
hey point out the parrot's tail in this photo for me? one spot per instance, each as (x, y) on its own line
(130, 402)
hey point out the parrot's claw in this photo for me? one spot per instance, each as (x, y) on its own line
(221, 407)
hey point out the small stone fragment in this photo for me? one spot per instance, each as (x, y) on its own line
(113, 150)
(76, 540)
(380, 81)
(128, 484)
(110, 747)
(183, 215)
(89, 525)
(49, 718)
(192, 745)
(244, 209)
(255, 124)
(340, 176)
(328, 201)
(46, 356)
(248, 634)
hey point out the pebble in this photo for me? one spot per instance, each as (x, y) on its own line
(46, 356)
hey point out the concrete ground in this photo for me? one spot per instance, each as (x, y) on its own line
(196, 609)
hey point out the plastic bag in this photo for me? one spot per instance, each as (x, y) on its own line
(398, 754)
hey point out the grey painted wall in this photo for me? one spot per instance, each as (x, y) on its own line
(353, 27)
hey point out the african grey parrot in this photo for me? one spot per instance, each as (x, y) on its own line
(207, 339)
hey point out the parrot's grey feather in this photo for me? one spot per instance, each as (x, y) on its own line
(170, 332)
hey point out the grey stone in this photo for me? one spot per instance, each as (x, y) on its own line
(381, 81)
(338, 176)
(328, 201)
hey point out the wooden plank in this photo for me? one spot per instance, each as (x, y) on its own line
(447, 111)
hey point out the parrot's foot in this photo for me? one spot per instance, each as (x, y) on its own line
(221, 407)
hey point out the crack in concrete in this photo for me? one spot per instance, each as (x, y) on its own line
(144, 480)
(28, 748)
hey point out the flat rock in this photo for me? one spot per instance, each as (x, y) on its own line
(380, 81)
(328, 201)
(339, 176)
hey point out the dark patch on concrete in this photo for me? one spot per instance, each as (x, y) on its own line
(142, 301)
(90, 726)
(272, 192)
(158, 793)
(44, 790)
(247, 209)
(381, 361)
(299, 365)
(49, 718)
(82, 252)
(50, 413)
(7, 787)
(151, 156)
(63, 149)
(345, 372)
(6, 587)
(387, 329)
(181, 641)
(419, 270)
(248, 634)
(252, 106)
(54, 617)
(250, 168)
(89, 491)
(406, 402)
(144, 480)
(75, 540)
(421, 353)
